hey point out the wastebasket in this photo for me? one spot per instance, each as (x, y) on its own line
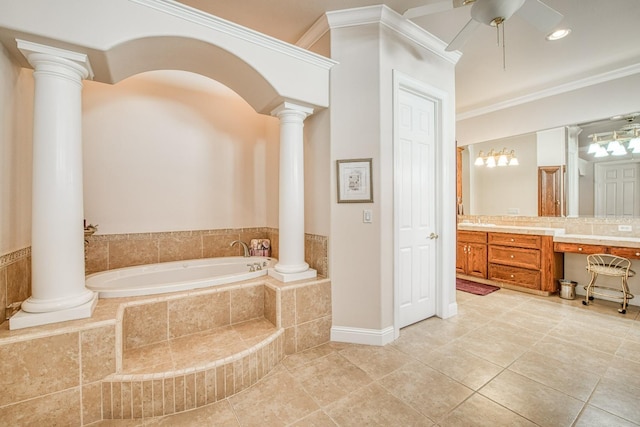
(567, 289)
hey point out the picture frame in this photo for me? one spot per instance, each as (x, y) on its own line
(354, 181)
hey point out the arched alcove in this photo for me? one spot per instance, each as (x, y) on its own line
(188, 54)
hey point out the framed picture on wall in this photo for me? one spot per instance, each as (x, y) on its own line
(354, 181)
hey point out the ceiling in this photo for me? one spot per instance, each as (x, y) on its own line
(605, 37)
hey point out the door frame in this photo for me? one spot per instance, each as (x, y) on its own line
(445, 195)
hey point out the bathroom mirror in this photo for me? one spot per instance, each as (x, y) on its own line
(513, 190)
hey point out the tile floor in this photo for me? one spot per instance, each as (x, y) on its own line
(507, 359)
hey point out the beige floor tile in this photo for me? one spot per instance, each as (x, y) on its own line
(624, 371)
(580, 333)
(425, 389)
(317, 419)
(527, 321)
(376, 361)
(629, 350)
(300, 359)
(617, 398)
(457, 363)
(374, 406)
(594, 417)
(496, 350)
(330, 378)
(482, 412)
(277, 400)
(505, 331)
(534, 401)
(579, 356)
(216, 414)
(564, 378)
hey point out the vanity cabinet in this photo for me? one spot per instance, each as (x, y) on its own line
(579, 248)
(471, 254)
(524, 261)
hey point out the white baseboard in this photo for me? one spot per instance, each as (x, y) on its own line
(378, 337)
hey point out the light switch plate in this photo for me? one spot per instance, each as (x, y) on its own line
(367, 216)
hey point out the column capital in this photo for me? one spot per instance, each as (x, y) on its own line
(38, 54)
(290, 107)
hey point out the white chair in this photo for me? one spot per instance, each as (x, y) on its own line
(609, 265)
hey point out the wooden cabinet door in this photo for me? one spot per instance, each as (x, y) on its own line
(477, 260)
(461, 258)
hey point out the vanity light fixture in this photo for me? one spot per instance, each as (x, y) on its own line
(616, 143)
(494, 158)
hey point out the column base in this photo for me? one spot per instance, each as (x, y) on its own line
(23, 319)
(292, 277)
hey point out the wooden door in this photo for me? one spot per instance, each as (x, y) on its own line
(550, 194)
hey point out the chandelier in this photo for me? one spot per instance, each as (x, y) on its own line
(494, 158)
(617, 142)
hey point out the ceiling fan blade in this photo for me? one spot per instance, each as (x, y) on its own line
(429, 9)
(541, 16)
(463, 36)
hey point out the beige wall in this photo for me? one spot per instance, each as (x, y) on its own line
(16, 90)
(493, 191)
(171, 151)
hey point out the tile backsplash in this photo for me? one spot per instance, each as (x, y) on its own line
(582, 225)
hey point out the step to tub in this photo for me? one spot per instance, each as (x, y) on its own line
(189, 372)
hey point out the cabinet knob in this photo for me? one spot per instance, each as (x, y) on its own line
(512, 256)
(513, 240)
(637, 253)
(579, 249)
(512, 276)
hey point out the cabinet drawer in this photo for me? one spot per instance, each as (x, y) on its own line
(631, 253)
(515, 276)
(579, 248)
(517, 257)
(518, 240)
(472, 236)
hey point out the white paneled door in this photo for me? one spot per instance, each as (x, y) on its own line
(617, 189)
(415, 204)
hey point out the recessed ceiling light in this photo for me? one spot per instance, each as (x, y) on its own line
(559, 34)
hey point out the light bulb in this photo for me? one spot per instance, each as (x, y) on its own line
(502, 160)
(491, 162)
(479, 161)
(602, 152)
(593, 148)
(613, 146)
(513, 161)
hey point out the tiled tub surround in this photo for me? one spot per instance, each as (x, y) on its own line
(144, 356)
(109, 251)
(15, 279)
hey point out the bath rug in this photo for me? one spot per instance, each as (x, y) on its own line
(474, 287)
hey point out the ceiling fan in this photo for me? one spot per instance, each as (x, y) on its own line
(491, 12)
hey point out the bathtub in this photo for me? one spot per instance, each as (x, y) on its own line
(175, 276)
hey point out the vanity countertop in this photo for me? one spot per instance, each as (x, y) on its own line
(493, 228)
(588, 239)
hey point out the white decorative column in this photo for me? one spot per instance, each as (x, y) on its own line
(57, 242)
(291, 265)
(573, 172)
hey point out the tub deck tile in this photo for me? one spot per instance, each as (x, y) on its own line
(196, 350)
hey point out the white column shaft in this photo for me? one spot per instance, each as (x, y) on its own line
(57, 211)
(291, 208)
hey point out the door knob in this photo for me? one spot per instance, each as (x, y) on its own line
(433, 236)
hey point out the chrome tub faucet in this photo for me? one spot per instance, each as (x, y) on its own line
(244, 246)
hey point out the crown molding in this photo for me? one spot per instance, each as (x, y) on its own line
(187, 13)
(556, 90)
(378, 14)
